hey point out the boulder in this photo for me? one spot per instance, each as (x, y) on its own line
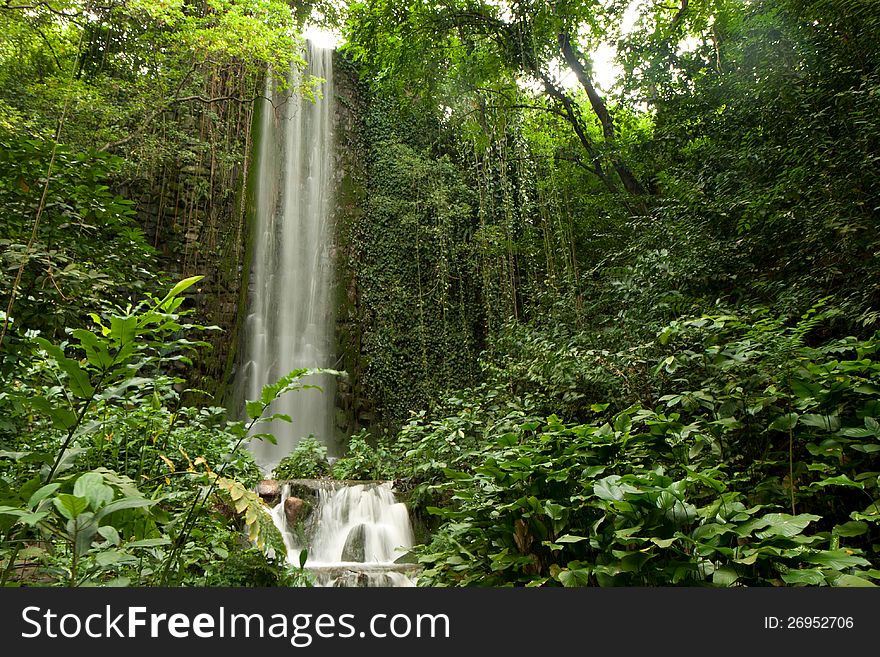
(355, 544)
(295, 510)
(270, 491)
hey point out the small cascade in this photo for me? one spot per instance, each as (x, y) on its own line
(353, 533)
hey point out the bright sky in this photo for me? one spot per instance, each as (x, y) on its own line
(321, 37)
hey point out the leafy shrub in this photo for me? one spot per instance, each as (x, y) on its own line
(104, 477)
(725, 481)
(363, 461)
(308, 460)
(250, 567)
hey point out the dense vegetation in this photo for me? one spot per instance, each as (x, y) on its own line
(613, 336)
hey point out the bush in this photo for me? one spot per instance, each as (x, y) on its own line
(307, 461)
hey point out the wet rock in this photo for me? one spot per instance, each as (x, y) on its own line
(304, 490)
(295, 510)
(355, 544)
(270, 491)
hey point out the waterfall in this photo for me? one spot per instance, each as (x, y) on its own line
(290, 322)
(354, 531)
(354, 534)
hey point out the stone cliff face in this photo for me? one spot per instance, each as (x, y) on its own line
(354, 408)
(193, 209)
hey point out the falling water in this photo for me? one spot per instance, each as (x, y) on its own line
(353, 536)
(354, 532)
(290, 317)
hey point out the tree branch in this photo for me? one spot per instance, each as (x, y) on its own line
(677, 18)
(48, 45)
(572, 114)
(210, 101)
(575, 60)
(74, 18)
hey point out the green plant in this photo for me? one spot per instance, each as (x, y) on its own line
(308, 460)
(97, 484)
(724, 482)
(250, 567)
(363, 461)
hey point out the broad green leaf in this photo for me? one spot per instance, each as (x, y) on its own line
(81, 530)
(784, 422)
(839, 480)
(851, 580)
(810, 576)
(177, 289)
(827, 422)
(255, 409)
(124, 503)
(42, 494)
(268, 437)
(77, 378)
(279, 417)
(710, 530)
(609, 488)
(112, 557)
(63, 418)
(97, 352)
(571, 538)
(574, 578)
(70, 506)
(92, 487)
(837, 559)
(110, 534)
(725, 576)
(851, 528)
(783, 524)
(28, 518)
(554, 511)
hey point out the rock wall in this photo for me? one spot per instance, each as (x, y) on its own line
(193, 209)
(354, 409)
(196, 209)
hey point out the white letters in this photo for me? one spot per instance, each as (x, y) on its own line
(154, 623)
(112, 625)
(203, 626)
(77, 623)
(134, 621)
(178, 626)
(24, 617)
(89, 626)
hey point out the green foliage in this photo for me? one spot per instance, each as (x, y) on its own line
(364, 461)
(666, 495)
(308, 460)
(252, 568)
(97, 481)
(416, 298)
(77, 247)
(116, 68)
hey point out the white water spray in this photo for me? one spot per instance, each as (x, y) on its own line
(354, 532)
(290, 319)
(353, 537)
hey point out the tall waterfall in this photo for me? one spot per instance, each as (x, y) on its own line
(289, 323)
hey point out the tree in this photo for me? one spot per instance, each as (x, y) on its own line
(497, 46)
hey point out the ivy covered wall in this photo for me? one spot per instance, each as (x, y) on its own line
(409, 308)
